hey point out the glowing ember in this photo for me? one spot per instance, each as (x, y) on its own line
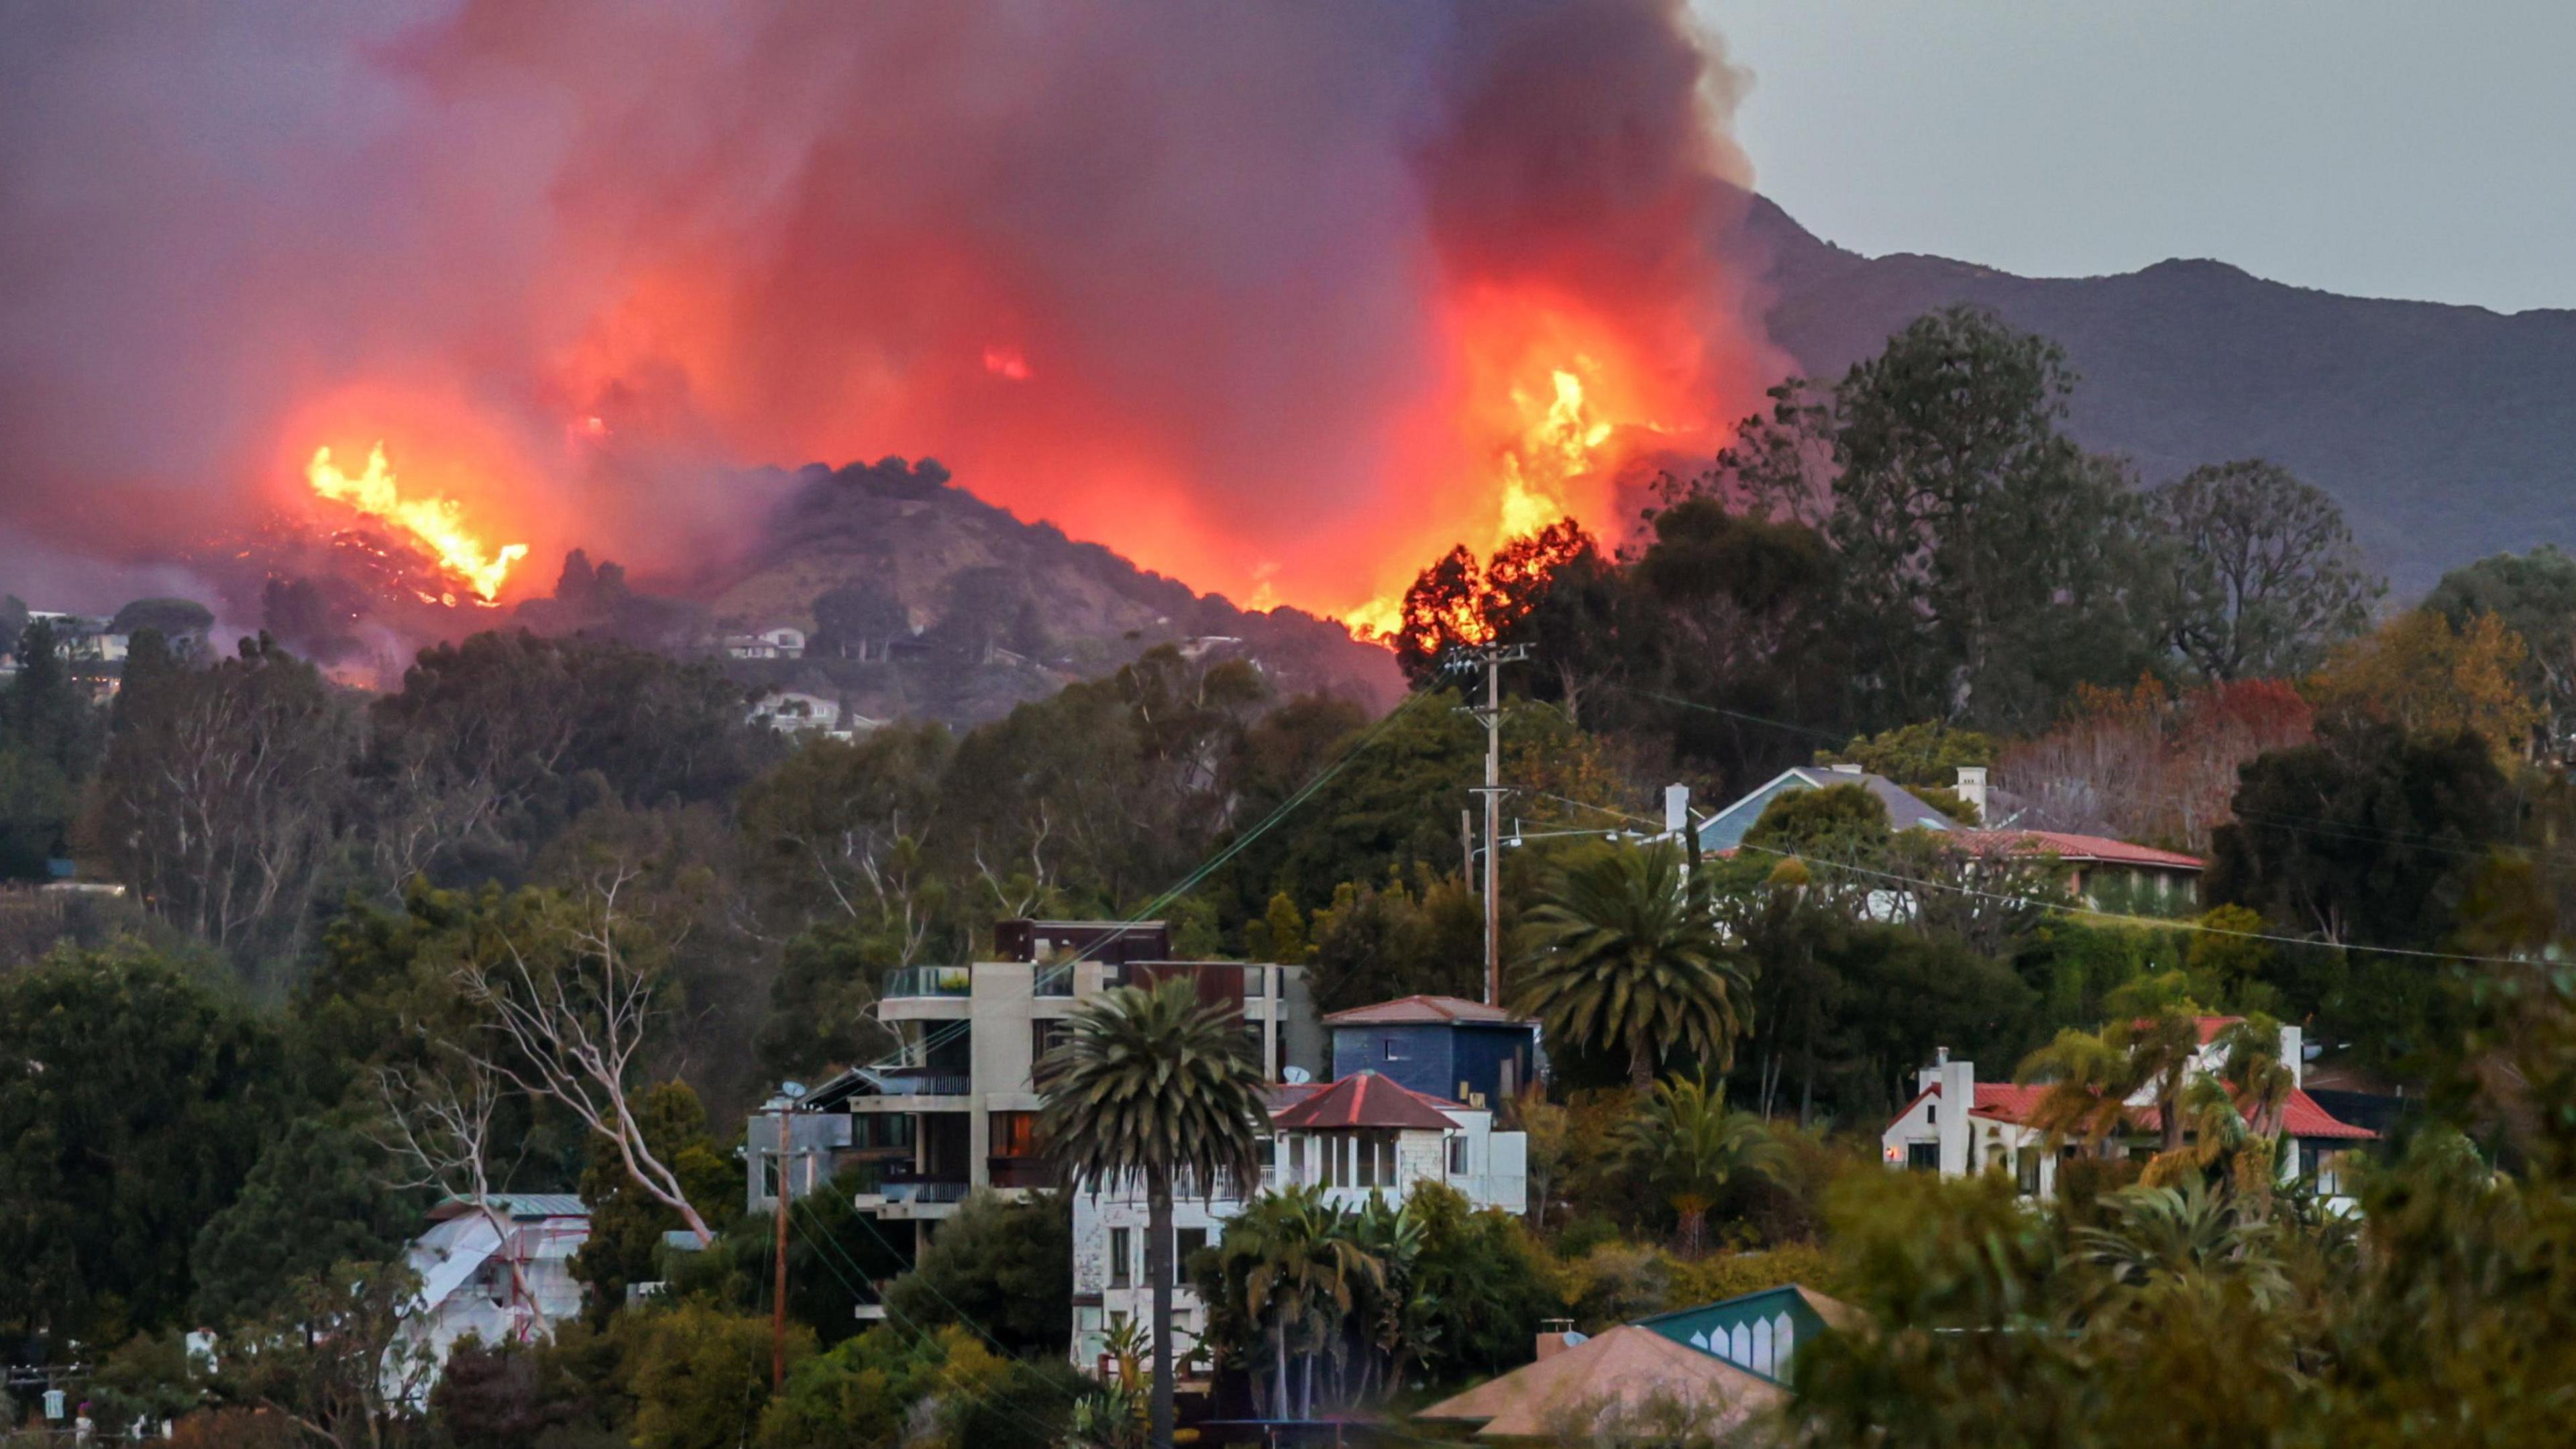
(436, 523)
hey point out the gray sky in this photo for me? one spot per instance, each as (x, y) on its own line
(2372, 147)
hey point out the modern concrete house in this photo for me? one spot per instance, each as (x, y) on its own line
(955, 1110)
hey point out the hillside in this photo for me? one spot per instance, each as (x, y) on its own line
(927, 601)
(2445, 431)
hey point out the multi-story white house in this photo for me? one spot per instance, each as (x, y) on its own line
(1362, 1135)
(1958, 1126)
(502, 1275)
(957, 1110)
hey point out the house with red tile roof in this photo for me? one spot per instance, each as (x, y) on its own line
(1958, 1126)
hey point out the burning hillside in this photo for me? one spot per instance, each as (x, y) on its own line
(1280, 303)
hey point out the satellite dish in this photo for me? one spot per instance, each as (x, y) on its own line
(1296, 1076)
(791, 1090)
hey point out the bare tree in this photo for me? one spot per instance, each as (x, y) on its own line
(437, 1125)
(568, 1010)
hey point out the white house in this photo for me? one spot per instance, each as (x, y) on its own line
(795, 712)
(1957, 1125)
(779, 641)
(1361, 1135)
(499, 1275)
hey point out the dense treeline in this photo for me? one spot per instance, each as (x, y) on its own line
(345, 911)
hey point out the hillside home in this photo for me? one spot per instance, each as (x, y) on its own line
(779, 641)
(793, 712)
(1442, 1046)
(1362, 1135)
(1725, 830)
(502, 1275)
(1957, 1125)
(954, 1109)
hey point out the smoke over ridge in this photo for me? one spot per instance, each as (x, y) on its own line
(1253, 294)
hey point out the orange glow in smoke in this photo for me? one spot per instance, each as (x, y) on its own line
(436, 523)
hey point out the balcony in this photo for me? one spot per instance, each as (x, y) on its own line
(924, 1191)
(915, 982)
(924, 1082)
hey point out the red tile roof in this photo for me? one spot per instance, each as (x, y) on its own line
(2013, 1102)
(1423, 1010)
(1364, 1100)
(2065, 846)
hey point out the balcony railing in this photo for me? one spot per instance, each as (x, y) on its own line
(916, 981)
(926, 1082)
(925, 1191)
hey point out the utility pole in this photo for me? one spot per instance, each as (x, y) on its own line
(778, 1293)
(1493, 657)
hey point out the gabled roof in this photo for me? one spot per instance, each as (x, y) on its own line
(1610, 1374)
(2014, 1102)
(1364, 1100)
(516, 1206)
(1426, 1011)
(2093, 849)
(1905, 811)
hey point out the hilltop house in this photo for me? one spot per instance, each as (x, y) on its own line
(779, 641)
(1957, 1125)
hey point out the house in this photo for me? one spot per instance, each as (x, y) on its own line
(1757, 1332)
(954, 1109)
(2107, 875)
(793, 712)
(1357, 1137)
(501, 1273)
(1958, 1126)
(1725, 830)
(779, 641)
(1442, 1046)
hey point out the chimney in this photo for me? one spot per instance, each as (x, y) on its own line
(1972, 788)
(1676, 809)
(1958, 1097)
(2294, 1053)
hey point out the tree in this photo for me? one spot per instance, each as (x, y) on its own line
(1985, 563)
(1151, 1088)
(1289, 1261)
(2262, 574)
(1627, 955)
(336, 1359)
(315, 1197)
(2148, 1046)
(700, 1375)
(1375, 942)
(627, 1220)
(1689, 1147)
(134, 1099)
(2148, 763)
(222, 793)
(1928, 753)
(999, 1268)
(2534, 594)
(2428, 678)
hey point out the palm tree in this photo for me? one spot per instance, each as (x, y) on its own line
(1153, 1086)
(1298, 1254)
(2149, 1046)
(1690, 1147)
(1629, 954)
(2162, 1237)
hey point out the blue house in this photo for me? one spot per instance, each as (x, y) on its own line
(1759, 1332)
(1440, 1046)
(1725, 830)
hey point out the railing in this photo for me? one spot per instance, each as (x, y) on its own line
(924, 1082)
(924, 1191)
(930, 981)
(1055, 980)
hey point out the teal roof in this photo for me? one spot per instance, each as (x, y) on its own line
(1756, 1331)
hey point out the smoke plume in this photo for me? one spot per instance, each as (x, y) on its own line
(1258, 295)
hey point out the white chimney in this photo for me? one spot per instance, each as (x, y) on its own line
(1676, 809)
(1972, 788)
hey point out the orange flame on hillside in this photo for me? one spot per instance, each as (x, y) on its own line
(436, 523)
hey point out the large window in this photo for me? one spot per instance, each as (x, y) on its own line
(1923, 1156)
(1458, 1154)
(1015, 1134)
(1122, 1243)
(1186, 1243)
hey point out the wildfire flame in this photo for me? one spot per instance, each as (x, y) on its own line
(438, 524)
(1535, 470)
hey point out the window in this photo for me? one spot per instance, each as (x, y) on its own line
(1051, 1034)
(769, 1176)
(1296, 1160)
(1394, 1047)
(1386, 1160)
(1015, 1134)
(1458, 1154)
(1923, 1156)
(2028, 1160)
(1121, 1257)
(1187, 1243)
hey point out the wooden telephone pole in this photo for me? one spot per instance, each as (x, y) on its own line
(778, 1292)
(1490, 715)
